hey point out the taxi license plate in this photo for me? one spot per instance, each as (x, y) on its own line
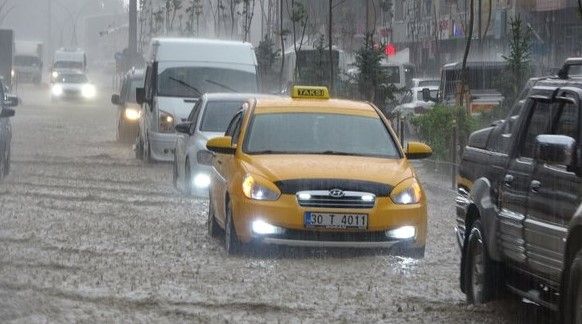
(342, 221)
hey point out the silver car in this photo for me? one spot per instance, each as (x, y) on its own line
(209, 118)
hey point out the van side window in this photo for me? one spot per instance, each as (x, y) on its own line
(538, 123)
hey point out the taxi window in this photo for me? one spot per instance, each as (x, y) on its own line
(319, 133)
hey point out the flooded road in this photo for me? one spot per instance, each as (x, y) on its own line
(89, 234)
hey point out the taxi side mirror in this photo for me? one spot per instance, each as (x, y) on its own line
(221, 145)
(415, 151)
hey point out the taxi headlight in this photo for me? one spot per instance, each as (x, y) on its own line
(132, 114)
(166, 122)
(407, 192)
(88, 91)
(57, 90)
(259, 190)
(263, 228)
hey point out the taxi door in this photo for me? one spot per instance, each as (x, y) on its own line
(554, 196)
(223, 164)
(514, 184)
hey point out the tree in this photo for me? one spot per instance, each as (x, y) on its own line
(298, 16)
(370, 75)
(266, 55)
(248, 13)
(518, 66)
(464, 73)
(6, 7)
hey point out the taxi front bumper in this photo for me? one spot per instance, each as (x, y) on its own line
(287, 215)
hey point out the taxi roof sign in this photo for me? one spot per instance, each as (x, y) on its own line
(310, 92)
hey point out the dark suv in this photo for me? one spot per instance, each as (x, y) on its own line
(6, 101)
(519, 202)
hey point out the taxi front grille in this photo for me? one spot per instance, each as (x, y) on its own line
(336, 198)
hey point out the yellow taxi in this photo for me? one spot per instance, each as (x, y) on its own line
(311, 171)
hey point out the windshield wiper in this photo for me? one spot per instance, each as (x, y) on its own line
(334, 153)
(221, 85)
(185, 84)
(268, 152)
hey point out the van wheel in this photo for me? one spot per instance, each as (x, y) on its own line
(482, 275)
(138, 148)
(573, 295)
(232, 244)
(147, 153)
(187, 178)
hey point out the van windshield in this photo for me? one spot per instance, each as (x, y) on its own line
(68, 65)
(191, 81)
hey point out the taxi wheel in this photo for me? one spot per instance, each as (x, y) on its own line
(573, 294)
(482, 275)
(213, 228)
(232, 244)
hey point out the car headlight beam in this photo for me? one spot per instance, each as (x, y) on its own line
(132, 114)
(253, 189)
(57, 90)
(407, 192)
(88, 91)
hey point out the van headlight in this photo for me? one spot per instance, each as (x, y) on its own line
(407, 192)
(88, 91)
(263, 190)
(57, 90)
(166, 122)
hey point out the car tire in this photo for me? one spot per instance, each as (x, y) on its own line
(573, 295)
(188, 178)
(213, 227)
(232, 244)
(482, 275)
(138, 148)
(175, 172)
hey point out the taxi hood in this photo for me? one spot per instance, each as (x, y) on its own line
(292, 173)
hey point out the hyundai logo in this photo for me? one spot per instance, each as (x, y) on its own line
(336, 193)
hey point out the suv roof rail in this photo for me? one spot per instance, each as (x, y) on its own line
(564, 71)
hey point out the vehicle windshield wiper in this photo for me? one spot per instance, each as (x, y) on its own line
(186, 84)
(268, 152)
(224, 86)
(334, 153)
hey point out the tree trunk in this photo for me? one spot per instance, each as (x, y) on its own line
(282, 44)
(466, 55)
(330, 30)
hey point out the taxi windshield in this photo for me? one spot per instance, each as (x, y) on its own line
(319, 133)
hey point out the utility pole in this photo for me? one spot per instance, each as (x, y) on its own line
(132, 46)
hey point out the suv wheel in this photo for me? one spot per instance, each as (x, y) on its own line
(573, 294)
(232, 243)
(213, 228)
(481, 274)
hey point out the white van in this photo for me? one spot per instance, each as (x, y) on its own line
(179, 71)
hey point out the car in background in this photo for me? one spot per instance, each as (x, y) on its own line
(310, 171)
(413, 103)
(72, 85)
(129, 111)
(425, 83)
(209, 119)
(5, 129)
(179, 71)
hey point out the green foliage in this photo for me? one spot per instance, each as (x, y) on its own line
(518, 61)
(435, 127)
(266, 55)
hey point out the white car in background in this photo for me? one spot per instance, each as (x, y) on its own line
(72, 86)
(412, 103)
(209, 118)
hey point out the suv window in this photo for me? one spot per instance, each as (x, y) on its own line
(567, 122)
(538, 123)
